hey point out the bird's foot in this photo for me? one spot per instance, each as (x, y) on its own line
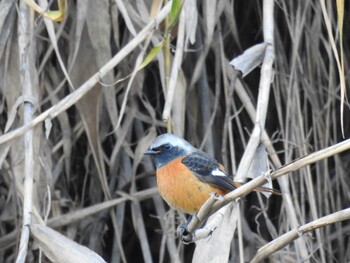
(184, 235)
(182, 232)
(217, 196)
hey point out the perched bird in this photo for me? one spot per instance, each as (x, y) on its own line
(186, 176)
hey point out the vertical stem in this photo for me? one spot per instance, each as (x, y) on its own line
(240, 233)
(264, 91)
(25, 30)
(167, 63)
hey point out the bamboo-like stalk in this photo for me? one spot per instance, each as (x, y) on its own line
(25, 44)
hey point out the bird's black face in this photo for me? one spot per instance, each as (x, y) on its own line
(164, 153)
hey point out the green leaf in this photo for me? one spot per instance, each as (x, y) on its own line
(175, 12)
(55, 15)
(152, 54)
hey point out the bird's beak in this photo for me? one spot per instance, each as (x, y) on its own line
(150, 152)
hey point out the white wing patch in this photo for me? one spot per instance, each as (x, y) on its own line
(218, 172)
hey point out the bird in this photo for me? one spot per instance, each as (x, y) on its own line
(187, 176)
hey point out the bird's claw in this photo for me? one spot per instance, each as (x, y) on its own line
(216, 196)
(185, 236)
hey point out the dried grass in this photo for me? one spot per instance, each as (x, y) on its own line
(77, 115)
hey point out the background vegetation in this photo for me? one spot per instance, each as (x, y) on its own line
(84, 152)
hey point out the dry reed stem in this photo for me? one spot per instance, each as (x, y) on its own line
(26, 43)
(287, 238)
(262, 105)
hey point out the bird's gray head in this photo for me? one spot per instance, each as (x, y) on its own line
(167, 147)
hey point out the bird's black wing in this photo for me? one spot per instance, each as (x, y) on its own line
(208, 170)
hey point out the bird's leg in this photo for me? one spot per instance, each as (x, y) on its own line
(182, 232)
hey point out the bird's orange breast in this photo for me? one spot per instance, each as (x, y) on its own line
(181, 189)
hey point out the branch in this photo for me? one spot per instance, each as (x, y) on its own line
(290, 236)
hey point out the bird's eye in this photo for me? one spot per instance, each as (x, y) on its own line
(166, 146)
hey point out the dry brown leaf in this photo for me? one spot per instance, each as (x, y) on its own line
(59, 248)
(88, 107)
